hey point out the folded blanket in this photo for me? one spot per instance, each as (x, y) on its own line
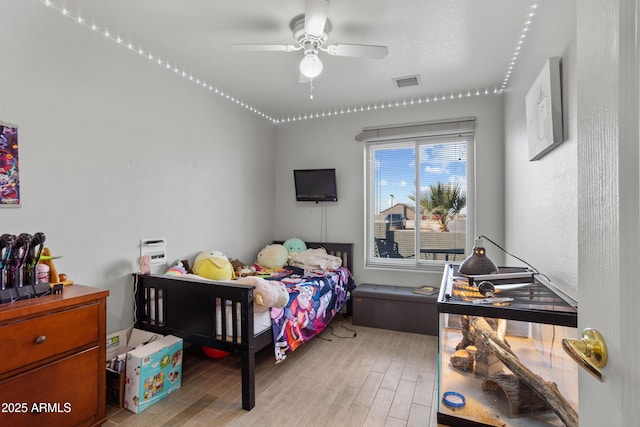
(314, 259)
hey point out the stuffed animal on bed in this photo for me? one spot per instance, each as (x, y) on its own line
(295, 245)
(241, 269)
(267, 294)
(176, 269)
(273, 256)
(213, 265)
(182, 269)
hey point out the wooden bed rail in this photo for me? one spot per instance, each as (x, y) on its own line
(184, 304)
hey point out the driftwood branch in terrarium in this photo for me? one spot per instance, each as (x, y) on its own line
(546, 389)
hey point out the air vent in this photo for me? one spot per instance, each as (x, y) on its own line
(407, 81)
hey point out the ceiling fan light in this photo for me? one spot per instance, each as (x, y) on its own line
(311, 66)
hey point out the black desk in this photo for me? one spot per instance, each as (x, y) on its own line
(446, 252)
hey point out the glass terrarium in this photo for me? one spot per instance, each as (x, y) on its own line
(501, 361)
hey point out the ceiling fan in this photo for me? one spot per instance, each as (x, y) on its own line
(310, 31)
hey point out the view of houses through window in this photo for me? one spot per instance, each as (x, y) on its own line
(417, 200)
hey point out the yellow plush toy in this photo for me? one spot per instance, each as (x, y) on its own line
(213, 265)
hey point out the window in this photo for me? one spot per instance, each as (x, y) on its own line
(418, 199)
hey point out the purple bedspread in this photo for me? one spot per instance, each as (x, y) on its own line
(313, 302)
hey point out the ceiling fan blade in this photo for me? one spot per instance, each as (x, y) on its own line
(357, 50)
(265, 47)
(315, 17)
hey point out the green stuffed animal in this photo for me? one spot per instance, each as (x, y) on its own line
(295, 245)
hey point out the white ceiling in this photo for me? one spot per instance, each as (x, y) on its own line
(455, 46)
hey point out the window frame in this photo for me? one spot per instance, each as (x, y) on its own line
(449, 133)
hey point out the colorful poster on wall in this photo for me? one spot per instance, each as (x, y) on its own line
(9, 176)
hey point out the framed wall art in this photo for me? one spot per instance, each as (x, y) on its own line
(9, 166)
(544, 110)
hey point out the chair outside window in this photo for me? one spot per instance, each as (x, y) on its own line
(387, 248)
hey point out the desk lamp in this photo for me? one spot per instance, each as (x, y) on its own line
(478, 262)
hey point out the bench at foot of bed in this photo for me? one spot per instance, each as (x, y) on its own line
(396, 308)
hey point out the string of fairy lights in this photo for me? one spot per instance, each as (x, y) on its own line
(523, 34)
(182, 72)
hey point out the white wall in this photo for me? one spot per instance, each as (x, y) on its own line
(114, 149)
(330, 142)
(541, 196)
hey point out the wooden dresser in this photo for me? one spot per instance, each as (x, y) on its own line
(52, 359)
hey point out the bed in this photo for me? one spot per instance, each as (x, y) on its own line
(191, 309)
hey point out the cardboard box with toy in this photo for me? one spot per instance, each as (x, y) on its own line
(153, 371)
(143, 368)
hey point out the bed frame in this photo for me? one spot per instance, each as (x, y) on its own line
(188, 308)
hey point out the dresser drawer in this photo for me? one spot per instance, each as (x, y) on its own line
(25, 342)
(62, 393)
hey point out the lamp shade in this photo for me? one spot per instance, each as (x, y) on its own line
(478, 262)
(311, 66)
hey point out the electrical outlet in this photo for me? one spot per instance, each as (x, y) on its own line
(156, 249)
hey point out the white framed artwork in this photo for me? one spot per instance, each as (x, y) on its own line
(544, 111)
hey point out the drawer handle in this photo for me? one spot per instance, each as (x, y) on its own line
(41, 339)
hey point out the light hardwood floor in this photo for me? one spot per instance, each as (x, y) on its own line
(378, 378)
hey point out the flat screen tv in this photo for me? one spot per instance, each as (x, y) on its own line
(315, 185)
